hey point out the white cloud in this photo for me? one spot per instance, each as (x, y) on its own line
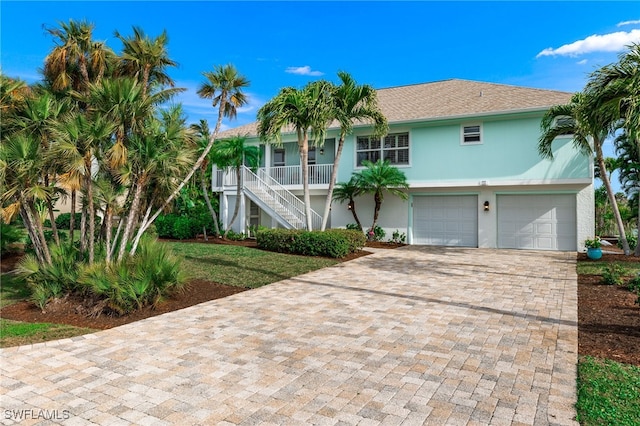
(306, 70)
(613, 42)
(623, 23)
(582, 62)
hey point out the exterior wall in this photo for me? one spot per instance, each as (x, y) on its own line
(508, 153)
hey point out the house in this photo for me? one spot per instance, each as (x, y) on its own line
(469, 151)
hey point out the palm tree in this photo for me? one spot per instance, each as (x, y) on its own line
(224, 87)
(347, 191)
(22, 163)
(629, 166)
(352, 102)
(203, 136)
(307, 111)
(381, 177)
(78, 140)
(146, 59)
(76, 60)
(580, 119)
(233, 153)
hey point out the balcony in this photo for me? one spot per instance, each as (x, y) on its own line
(287, 176)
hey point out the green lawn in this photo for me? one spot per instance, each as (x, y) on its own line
(608, 393)
(241, 266)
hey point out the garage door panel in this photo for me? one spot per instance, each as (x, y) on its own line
(541, 222)
(445, 220)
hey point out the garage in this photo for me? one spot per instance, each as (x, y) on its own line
(538, 222)
(450, 220)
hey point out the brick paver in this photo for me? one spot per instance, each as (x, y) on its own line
(411, 336)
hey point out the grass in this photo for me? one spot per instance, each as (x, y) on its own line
(594, 267)
(241, 266)
(14, 333)
(608, 393)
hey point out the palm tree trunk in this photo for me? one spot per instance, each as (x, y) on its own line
(37, 224)
(612, 199)
(236, 208)
(352, 207)
(133, 213)
(116, 237)
(92, 216)
(205, 192)
(304, 156)
(332, 183)
(72, 219)
(636, 252)
(33, 235)
(52, 219)
(107, 219)
(376, 211)
(83, 227)
(139, 234)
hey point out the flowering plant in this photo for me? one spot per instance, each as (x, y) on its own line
(593, 243)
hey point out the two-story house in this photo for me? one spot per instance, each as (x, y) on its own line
(469, 151)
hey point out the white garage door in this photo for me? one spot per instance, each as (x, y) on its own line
(539, 222)
(446, 220)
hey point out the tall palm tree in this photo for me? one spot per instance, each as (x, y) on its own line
(307, 112)
(347, 191)
(381, 177)
(352, 103)
(580, 119)
(146, 59)
(76, 60)
(203, 135)
(233, 153)
(224, 86)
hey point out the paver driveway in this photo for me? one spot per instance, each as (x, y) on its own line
(409, 336)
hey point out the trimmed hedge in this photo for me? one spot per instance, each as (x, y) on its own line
(334, 243)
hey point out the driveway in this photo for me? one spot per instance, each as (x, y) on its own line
(417, 335)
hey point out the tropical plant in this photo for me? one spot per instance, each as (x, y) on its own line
(352, 103)
(381, 177)
(145, 59)
(233, 153)
(76, 60)
(225, 87)
(594, 242)
(306, 111)
(347, 191)
(586, 124)
(629, 160)
(202, 138)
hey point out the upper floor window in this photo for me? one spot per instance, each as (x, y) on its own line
(471, 134)
(278, 157)
(311, 155)
(393, 147)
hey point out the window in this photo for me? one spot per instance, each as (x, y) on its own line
(471, 134)
(393, 147)
(278, 157)
(311, 157)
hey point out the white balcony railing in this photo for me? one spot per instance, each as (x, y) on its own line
(319, 174)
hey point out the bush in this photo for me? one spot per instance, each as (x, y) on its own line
(138, 281)
(48, 237)
(376, 234)
(9, 235)
(398, 238)
(63, 221)
(334, 243)
(612, 274)
(632, 239)
(183, 227)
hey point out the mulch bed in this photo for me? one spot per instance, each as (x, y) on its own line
(608, 318)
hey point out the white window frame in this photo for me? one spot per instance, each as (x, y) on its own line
(464, 134)
(380, 149)
(284, 157)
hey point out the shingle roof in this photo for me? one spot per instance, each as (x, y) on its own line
(450, 99)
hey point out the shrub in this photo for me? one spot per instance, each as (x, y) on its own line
(332, 243)
(138, 281)
(398, 238)
(182, 228)
(353, 227)
(48, 237)
(9, 235)
(376, 234)
(236, 236)
(612, 274)
(164, 225)
(50, 281)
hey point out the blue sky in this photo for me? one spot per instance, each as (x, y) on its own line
(550, 45)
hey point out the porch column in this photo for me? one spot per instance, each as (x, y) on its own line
(267, 159)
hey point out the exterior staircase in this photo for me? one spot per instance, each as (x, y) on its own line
(287, 209)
